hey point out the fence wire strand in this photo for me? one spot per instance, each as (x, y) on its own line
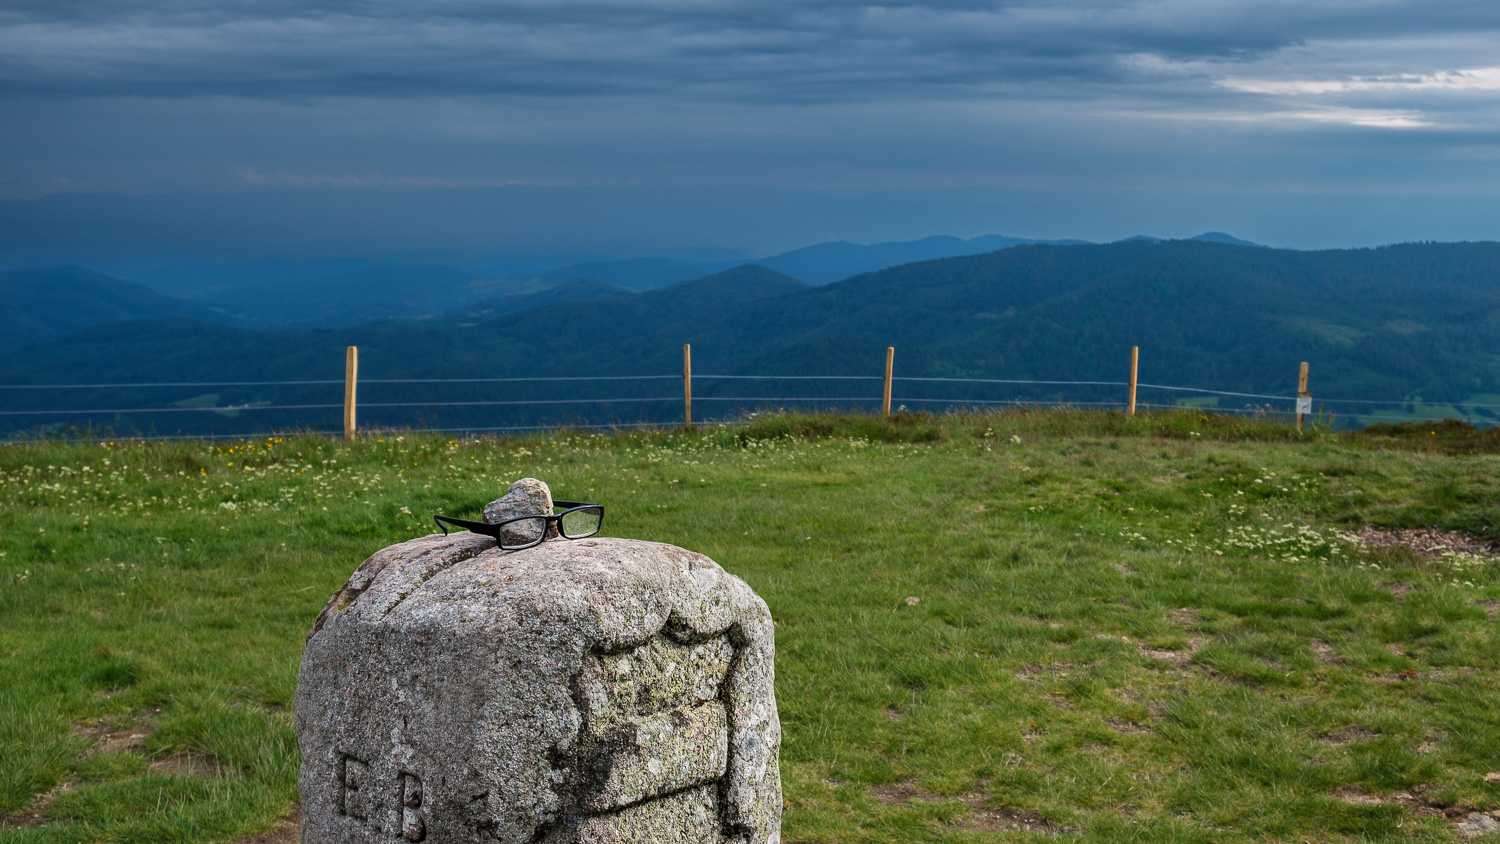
(1372, 404)
(672, 377)
(335, 381)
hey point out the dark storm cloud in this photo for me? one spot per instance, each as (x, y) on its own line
(747, 51)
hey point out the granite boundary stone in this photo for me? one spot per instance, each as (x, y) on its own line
(597, 690)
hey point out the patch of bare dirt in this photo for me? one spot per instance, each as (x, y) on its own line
(1428, 542)
(109, 736)
(191, 765)
(35, 812)
(1398, 589)
(1005, 820)
(1156, 701)
(1467, 821)
(1349, 735)
(896, 794)
(1477, 824)
(1325, 652)
(104, 736)
(286, 831)
(981, 818)
(1120, 725)
(113, 737)
(1181, 661)
(1356, 796)
(1178, 659)
(1493, 608)
(1406, 676)
(1060, 703)
(1054, 669)
(1186, 616)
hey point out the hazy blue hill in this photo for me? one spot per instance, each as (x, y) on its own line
(635, 274)
(200, 279)
(332, 292)
(710, 294)
(161, 350)
(1221, 237)
(818, 264)
(47, 303)
(572, 332)
(588, 334)
(907, 306)
(359, 296)
(571, 292)
(830, 262)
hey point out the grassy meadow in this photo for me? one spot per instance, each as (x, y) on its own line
(1030, 625)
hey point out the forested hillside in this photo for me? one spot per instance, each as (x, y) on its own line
(1403, 323)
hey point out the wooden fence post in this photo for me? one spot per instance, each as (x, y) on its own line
(1135, 362)
(687, 385)
(890, 362)
(351, 379)
(1304, 398)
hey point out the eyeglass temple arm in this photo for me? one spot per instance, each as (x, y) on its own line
(481, 528)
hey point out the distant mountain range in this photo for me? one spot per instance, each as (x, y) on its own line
(363, 295)
(343, 293)
(575, 291)
(1406, 323)
(42, 305)
(823, 263)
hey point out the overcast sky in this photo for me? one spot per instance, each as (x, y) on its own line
(1306, 123)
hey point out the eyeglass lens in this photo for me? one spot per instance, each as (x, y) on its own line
(576, 524)
(522, 533)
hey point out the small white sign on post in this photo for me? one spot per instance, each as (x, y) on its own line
(1304, 405)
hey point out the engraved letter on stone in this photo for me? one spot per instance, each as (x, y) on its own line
(354, 791)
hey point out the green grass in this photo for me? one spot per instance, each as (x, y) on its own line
(1148, 629)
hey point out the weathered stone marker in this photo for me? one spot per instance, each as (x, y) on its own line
(597, 690)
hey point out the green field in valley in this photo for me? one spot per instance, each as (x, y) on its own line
(1022, 626)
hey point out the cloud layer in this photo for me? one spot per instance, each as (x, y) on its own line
(1353, 96)
(750, 50)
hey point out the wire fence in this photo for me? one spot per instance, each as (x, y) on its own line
(206, 415)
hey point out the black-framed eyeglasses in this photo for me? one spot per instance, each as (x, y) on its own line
(576, 521)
